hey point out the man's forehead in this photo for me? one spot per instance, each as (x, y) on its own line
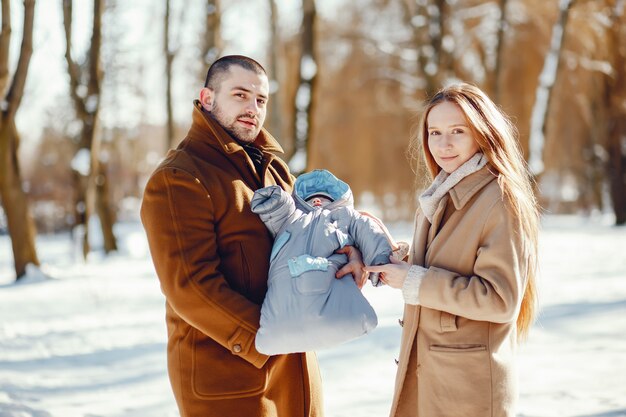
(241, 77)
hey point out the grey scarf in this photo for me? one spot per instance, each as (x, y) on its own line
(443, 182)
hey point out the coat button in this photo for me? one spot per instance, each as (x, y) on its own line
(401, 322)
(237, 348)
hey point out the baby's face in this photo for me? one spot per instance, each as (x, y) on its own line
(319, 201)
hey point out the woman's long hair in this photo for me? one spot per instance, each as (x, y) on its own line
(497, 139)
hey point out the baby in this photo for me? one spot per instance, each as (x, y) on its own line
(319, 200)
(306, 307)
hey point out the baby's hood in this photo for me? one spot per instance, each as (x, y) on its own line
(321, 181)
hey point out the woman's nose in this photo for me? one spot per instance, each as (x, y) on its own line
(445, 142)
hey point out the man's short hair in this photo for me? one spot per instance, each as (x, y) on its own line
(221, 67)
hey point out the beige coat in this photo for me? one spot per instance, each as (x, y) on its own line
(211, 254)
(457, 354)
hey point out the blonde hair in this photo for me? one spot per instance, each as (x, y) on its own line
(497, 139)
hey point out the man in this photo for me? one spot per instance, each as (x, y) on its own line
(211, 254)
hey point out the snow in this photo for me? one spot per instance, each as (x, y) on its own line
(88, 339)
(308, 67)
(81, 162)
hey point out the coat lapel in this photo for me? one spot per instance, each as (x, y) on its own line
(420, 237)
(459, 195)
(437, 217)
(205, 129)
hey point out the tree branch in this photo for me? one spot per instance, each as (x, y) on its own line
(5, 42)
(72, 67)
(16, 91)
(95, 67)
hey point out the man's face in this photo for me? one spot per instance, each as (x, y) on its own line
(239, 104)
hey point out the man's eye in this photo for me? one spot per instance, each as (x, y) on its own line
(261, 102)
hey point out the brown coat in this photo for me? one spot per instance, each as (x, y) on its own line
(457, 354)
(211, 254)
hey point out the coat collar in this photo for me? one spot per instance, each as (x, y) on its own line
(470, 185)
(206, 129)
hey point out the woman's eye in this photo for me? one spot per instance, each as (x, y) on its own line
(434, 133)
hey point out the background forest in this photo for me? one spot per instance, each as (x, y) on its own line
(95, 92)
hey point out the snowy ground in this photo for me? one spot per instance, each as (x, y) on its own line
(91, 343)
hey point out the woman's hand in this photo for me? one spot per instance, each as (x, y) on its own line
(354, 266)
(393, 274)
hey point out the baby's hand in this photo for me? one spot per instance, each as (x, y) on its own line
(401, 252)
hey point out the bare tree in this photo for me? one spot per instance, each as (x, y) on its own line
(85, 90)
(169, 59)
(427, 22)
(305, 97)
(615, 97)
(275, 124)
(547, 79)
(212, 43)
(19, 221)
(494, 83)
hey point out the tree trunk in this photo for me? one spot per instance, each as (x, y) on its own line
(87, 106)
(433, 61)
(275, 125)
(169, 59)
(543, 99)
(495, 74)
(105, 214)
(20, 223)
(615, 98)
(617, 168)
(80, 210)
(308, 67)
(212, 42)
(85, 182)
(5, 44)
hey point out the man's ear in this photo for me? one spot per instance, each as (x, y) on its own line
(206, 98)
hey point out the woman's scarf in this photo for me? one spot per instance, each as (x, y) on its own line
(443, 182)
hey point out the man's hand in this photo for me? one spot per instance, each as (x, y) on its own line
(354, 266)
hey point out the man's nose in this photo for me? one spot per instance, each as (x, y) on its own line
(252, 107)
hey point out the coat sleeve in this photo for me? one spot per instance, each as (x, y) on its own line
(177, 214)
(274, 206)
(494, 291)
(375, 245)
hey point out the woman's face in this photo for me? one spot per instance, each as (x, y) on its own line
(450, 140)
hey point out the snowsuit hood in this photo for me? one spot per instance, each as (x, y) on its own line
(324, 182)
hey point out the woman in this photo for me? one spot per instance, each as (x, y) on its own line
(469, 285)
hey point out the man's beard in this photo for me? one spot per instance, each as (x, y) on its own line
(241, 134)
